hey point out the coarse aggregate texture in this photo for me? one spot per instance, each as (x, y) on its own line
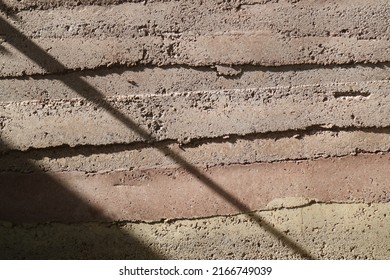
(197, 33)
(165, 129)
(294, 145)
(123, 81)
(152, 118)
(318, 231)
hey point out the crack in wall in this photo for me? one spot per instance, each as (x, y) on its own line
(87, 150)
(119, 68)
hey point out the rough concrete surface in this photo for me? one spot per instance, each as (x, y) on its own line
(152, 195)
(274, 147)
(321, 231)
(199, 33)
(192, 129)
(41, 124)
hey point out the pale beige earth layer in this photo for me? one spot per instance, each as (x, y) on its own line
(322, 231)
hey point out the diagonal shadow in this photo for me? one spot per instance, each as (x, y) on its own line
(3, 51)
(85, 90)
(41, 244)
(8, 10)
